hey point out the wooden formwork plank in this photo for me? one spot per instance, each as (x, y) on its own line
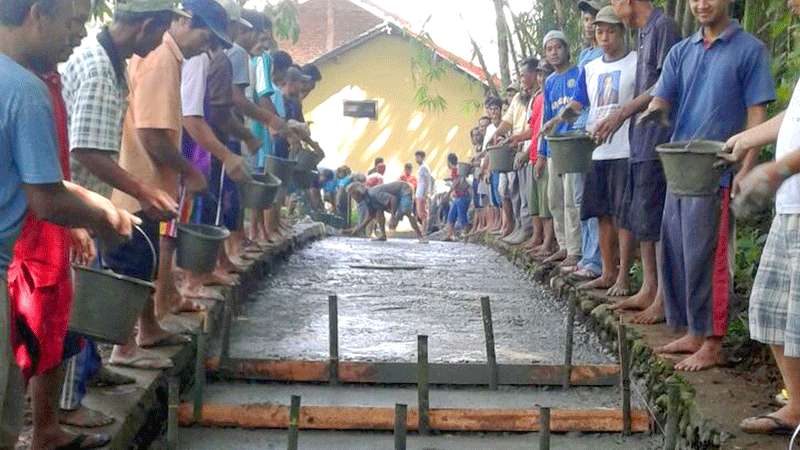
(445, 419)
(406, 373)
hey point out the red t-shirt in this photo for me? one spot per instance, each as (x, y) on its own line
(536, 125)
(410, 179)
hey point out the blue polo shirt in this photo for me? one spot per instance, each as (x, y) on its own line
(711, 88)
(656, 39)
(559, 90)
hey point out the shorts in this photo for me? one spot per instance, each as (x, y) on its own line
(405, 205)
(476, 197)
(645, 192)
(533, 193)
(604, 189)
(422, 208)
(541, 194)
(494, 185)
(135, 258)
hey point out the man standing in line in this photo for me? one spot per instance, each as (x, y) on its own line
(95, 93)
(34, 37)
(646, 183)
(717, 82)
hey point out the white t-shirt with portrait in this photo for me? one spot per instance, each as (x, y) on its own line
(787, 200)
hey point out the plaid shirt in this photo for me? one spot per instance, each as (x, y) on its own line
(96, 102)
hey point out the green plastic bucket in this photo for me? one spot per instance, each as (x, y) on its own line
(282, 168)
(501, 159)
(260, 192)
(464, 169)
(689, 167)
(571, 152)
(304, 179)
(307, 160)
(198, 246)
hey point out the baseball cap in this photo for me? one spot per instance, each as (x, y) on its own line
(295, 74)
(607, 15)
(592, 6)
(214, 16)
(554, 34)
(148, 6)
(234, 12)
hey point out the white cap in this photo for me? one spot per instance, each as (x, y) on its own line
(234, 12)
(554, 34)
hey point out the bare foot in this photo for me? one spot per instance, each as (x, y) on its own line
(619, 289)
(782, 421)
(84, 417)
(652, 315)
(159, 338)
(570, 261)
(219, 277)
(556, 257)
(604, 282)
(188, 306)
(686, 344)
(642, 300)
(709, 355)
(58, 438)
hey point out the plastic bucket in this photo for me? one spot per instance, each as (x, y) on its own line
(282, 168)
(303, 179)
(464, 169)
(501, 159)
(571, 152)
(307, 160)
(260, 192)
(198, 246)
(106, 305)
(689, 167)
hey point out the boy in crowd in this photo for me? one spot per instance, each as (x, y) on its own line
(378, 161)
(604, 85)
(457, 217)
(494, 108)
(423, 191)
(559, 89)
(408, 177)
(696, 231)
(95, 93)
(34, 37)
(647, 186)
(394, 198)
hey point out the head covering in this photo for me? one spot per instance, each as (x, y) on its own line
(148, 6)
(214, 16)
(607, 15)
(544, 67)
(294, 74)
(234, 12)
(592, 6)
(554, 34)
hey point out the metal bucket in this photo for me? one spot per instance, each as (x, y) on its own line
(464, 169)
(260, 192)
(282, 168)
(571, 152)
(501, 159)
(307, 160)
(689, 167)
(304, 179)
(198, 246)
(106, 305)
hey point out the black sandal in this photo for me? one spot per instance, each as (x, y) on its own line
(781, 428)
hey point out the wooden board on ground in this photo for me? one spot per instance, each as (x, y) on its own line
(461, 374)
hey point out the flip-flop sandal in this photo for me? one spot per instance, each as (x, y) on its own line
(80, 442)
(781, 428)
(583, 275)
(140, 362)
(108, 378)
(168, 341)
(96, 419)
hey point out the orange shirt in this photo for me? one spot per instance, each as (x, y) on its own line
(154, 102)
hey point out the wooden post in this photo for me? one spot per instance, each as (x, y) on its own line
(199, 373)
(173, 401)
(544, 428)
(625, 378)
(400, 415)
(226, 337)
(422, 385)
(673, 414)
(294, 419)
(488, 330)
(567, 381)
(333, 339)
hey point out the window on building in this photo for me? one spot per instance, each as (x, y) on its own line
(367, 109)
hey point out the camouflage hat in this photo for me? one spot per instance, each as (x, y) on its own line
(147, 6)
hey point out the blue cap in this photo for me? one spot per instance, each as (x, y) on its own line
(214, 16)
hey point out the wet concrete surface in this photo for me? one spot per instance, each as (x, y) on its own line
(206, 439)
(382, 311)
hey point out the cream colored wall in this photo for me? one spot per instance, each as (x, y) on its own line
(381, 70)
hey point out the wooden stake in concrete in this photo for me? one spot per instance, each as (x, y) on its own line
(673, 414)
(544, 428)
(488, 330)
(567, 380)
(333, 339)
(400, 417)
(199, 373)
(294, 420)
(423, 402)
(625, 378)
(173, 400)
(224, 356)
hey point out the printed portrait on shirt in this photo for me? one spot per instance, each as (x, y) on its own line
(608, 92)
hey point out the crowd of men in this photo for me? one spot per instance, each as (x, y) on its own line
(147, 124)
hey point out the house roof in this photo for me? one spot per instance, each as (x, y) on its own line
(330, 27)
